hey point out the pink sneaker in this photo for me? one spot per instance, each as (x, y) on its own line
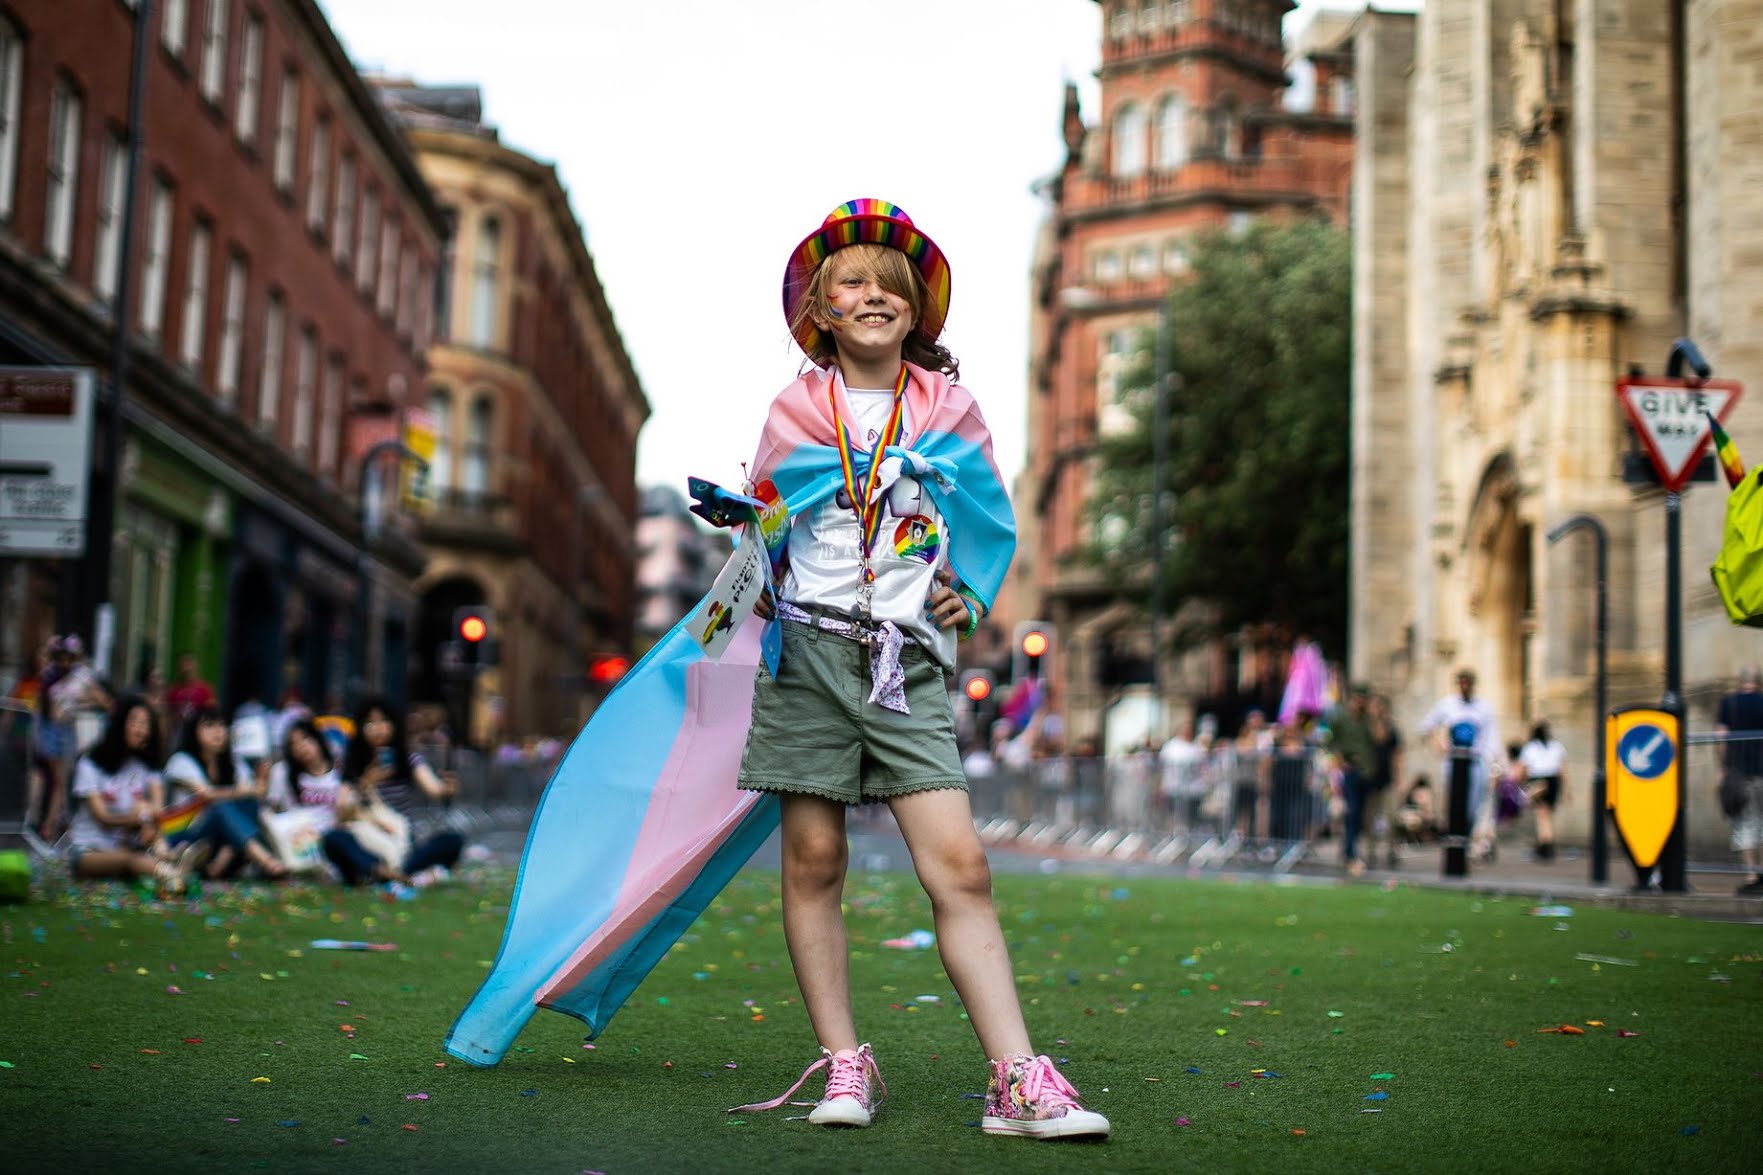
(1028, 1095)
(854, 1089)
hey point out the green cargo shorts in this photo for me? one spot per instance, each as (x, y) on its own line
(816, 733)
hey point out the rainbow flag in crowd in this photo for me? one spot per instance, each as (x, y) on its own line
(1727, 453)
(179, 816)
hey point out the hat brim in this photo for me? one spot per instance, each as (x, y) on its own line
(866, 230)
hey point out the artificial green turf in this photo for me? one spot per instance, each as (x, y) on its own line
(1149, 992)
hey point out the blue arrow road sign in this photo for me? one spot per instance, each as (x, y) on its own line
(1645, 751)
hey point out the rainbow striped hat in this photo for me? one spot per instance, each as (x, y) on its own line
(867, 222)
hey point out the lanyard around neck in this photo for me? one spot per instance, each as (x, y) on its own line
(867, 505)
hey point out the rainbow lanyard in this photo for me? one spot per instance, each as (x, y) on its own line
(867, 505)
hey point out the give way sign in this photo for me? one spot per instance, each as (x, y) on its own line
(1669, 415)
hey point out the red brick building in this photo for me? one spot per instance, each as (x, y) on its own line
(535, 409)
(1195, 132)
(278, 310)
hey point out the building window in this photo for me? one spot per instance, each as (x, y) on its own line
(388, 281)
(174, 26)
(195, 298)
(485, 262)
(1129, 140)
(318, 175)
(1172, 133)
(232, 330)
(214, 51)
(1340, 96)
(250, 79)
(1107, 266)
(113, 172)
(1177, 12)
(367, 252)
(474, 473)
(441, 465)
(269, 380)
(287, 131)
(1150, 17)
(1143, 262)
(343, 226)
(11, 75)
(156, 265)
(305, 379)
(409, 290)
(1175, 257)
(1120, 27)
(330, 417)
(1239, 222)
(66, 108)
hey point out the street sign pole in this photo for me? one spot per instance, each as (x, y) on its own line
(1672, 866)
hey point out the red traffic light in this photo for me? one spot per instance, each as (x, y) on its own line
(473, 629)
(978, 687)
(1034, 642)
(605, 670)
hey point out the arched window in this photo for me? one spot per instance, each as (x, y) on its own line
(441, 465)
(1129, 140)
(1120, 27)
(1226, 128)
(474, 473)
(485, 265)
(1172, 133)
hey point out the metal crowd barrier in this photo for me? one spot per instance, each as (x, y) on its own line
(23, 788)
(1263, 808)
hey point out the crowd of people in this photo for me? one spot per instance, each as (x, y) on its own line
(1338, 774)
(160, 784)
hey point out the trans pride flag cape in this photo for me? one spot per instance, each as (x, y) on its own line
(642, 823)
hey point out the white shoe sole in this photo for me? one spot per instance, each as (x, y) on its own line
(1075, 1124)
(841, 1111)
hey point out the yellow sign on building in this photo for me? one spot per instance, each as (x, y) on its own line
(1641, 771)
(416, 486)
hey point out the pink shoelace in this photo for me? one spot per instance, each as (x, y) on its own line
(846, 1077)
(1044, 1087)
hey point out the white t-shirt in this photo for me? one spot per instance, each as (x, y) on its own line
(120, 792)
(183, 774)
(315, 792)
(911, 544)
(1451, 711)
(1542, 760)
(1181, 760)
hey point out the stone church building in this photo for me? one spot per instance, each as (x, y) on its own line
(1547, 194)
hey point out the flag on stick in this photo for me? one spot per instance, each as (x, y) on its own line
(1727, 453)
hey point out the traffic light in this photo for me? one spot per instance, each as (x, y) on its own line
(1032, 641)
(605, 669)
(474, 628)
(976, 685)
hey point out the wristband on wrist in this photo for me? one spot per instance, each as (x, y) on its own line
(974, 611)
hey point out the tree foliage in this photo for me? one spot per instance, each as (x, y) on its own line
(1256, 477)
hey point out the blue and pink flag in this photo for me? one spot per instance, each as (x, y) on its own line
(642, 823)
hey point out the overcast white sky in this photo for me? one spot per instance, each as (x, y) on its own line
(700, 140)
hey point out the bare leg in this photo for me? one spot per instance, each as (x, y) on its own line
(815, 854)
(117, 863)
(952, 867)
(1545, 824)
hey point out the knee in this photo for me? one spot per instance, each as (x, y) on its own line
(818, 860)
(961, 874)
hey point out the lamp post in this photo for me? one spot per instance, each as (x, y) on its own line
(101, 526)
(372, 510)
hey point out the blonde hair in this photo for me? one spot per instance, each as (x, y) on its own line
(894, 272)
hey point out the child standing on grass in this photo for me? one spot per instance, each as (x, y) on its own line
(900, 540)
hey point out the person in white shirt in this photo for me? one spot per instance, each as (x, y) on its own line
(118, 792)
(1181, 787)
(1542, 759)
(204, 765)
(1462, 722)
